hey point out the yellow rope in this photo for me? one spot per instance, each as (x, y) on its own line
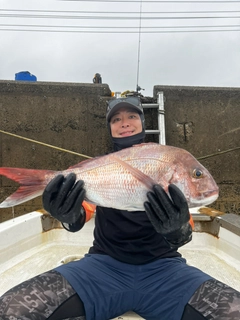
(45, 144)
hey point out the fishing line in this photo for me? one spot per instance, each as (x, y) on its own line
(85, 156)
(217, 153)
(45, 144)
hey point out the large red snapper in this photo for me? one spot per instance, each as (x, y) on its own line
(121, 180)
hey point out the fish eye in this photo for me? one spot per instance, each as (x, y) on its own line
(197, 173)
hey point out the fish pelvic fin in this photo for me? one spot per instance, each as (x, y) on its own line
(32, 183)
(136, 173)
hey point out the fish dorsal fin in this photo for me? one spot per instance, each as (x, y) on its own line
(144, 144)
(80, 164)
(139, 175)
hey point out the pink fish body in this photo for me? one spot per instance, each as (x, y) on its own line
(121, 180)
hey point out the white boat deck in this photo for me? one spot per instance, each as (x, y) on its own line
(25, 251)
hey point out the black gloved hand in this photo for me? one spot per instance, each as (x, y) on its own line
(62, 198)
(169, 217)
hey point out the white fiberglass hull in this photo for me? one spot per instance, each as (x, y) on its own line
(34, 243)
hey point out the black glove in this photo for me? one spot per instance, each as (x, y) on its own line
(169, 217)
(62, 198)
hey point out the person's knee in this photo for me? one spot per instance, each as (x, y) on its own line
(47, 295)
(213, 298)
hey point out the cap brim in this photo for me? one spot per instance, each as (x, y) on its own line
(123, 105)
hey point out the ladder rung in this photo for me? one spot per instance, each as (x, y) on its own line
(150, 105)
(152, 131)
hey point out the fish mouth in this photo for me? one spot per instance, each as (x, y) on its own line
(205, 199)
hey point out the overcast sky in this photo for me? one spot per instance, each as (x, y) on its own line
(165, 58)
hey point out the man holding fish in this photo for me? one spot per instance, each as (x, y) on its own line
(133, 263)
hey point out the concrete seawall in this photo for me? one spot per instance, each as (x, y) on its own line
(71, 116)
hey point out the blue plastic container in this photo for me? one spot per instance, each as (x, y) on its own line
(25, 76)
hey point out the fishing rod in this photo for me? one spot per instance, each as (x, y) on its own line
(85, 156)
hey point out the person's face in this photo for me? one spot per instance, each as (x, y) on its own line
(125, 122)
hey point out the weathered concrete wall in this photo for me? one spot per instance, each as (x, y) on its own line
(206, 121)
(72, 116)
(66, 115)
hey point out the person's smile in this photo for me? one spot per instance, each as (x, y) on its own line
(126, 133)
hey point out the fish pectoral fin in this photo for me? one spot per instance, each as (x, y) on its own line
(136, 173)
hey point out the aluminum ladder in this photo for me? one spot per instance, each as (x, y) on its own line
(161, 117)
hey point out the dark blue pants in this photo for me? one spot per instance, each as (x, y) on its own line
(156, 291)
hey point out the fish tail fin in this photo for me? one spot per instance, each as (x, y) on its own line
(32, 183)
